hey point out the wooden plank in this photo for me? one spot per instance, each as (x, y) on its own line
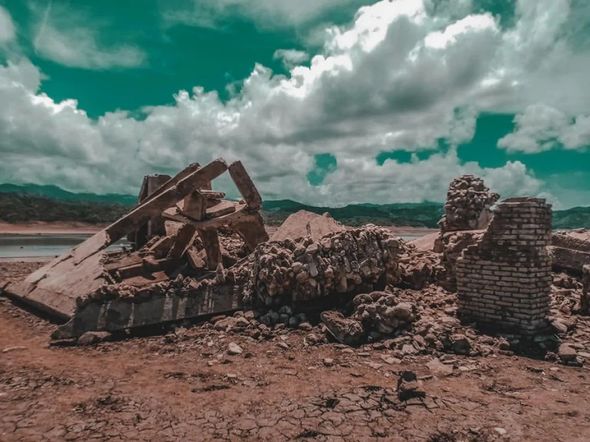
(146, 280)
(210, 241)
(223, 208)
(153, 206)
(245, 185)
(182, 241)
(212, 195)
(125, 261)
(190, 169)
(161, 247)
(147, 266)
(251, 230)
(224, 220)
(195, 206)
(196, 258)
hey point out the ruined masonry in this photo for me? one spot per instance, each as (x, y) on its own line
(585, 307)
(504, 280)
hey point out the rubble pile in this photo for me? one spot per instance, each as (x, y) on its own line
(345, 262)
(570, 250)
(585, 299)
(419, 268)
(453, 244)
(504, 280)
(468, 205)
(307, 224)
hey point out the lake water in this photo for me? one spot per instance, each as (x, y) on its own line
(15, 247)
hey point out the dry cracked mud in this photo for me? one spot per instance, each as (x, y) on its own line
(185, 386)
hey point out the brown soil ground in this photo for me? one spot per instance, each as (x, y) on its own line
(184, 386)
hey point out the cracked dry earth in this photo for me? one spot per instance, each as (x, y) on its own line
(184, 386)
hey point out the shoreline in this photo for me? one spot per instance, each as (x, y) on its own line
(47, 228)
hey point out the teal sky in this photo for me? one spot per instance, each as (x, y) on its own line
(448, 88)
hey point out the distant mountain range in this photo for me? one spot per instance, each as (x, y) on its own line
(31, 202)
(57, 193)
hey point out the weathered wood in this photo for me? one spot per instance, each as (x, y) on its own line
(210, 241)
(161, 247)
(196, 258)
(224, 220)
(153, 206)
(125, 261)
(212, 195)
(223, 208)
(252, 230)
(182, 241)
(147, 266)
(195, 206)
(190, 169)
(245, 185)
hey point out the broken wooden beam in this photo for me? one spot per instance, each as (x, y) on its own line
(210, 240)
(153, 206)
(245, 185)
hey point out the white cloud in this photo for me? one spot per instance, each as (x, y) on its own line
(265, 13)
(7, 29)
(397, 78)
(68, 38)
(291, 57)
(541, 127)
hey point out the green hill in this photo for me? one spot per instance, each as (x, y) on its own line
(30, 202)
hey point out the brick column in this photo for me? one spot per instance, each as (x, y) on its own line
(504, 280)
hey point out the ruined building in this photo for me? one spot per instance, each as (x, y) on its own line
(504, 279)
(467, 212)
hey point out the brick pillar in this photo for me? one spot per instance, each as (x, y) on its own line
(504, 280)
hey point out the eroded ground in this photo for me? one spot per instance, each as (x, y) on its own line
(185, 386)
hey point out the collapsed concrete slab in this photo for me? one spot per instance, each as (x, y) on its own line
(91, 288)
(504, 279)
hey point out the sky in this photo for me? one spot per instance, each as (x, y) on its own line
(325, 101)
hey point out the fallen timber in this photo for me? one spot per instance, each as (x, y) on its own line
(79, 286)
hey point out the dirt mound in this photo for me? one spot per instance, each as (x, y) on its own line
(304, 223)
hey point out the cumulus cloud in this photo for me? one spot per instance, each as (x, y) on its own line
(398, 77)
(291, 57)
(7, 29)
(541, 127)
(68, 38)
(265, 13)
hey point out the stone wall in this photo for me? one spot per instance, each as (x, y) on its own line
(349, 262)
(585, 304)
(504, 280)
(468, 205)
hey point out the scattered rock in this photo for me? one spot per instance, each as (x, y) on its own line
(94, 337)
(234, 349)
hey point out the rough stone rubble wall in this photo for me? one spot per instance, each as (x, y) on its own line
(345, 262)
(586, 291)
(468, 205)
(504, 280)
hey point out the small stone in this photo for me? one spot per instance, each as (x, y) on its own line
(559, 326)
(328, 362)
(566, 353)
(461, 344)
(93, 337)
(438, 368)
(234, 349)
(501, 431)
(305, 326)
(14, 348)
